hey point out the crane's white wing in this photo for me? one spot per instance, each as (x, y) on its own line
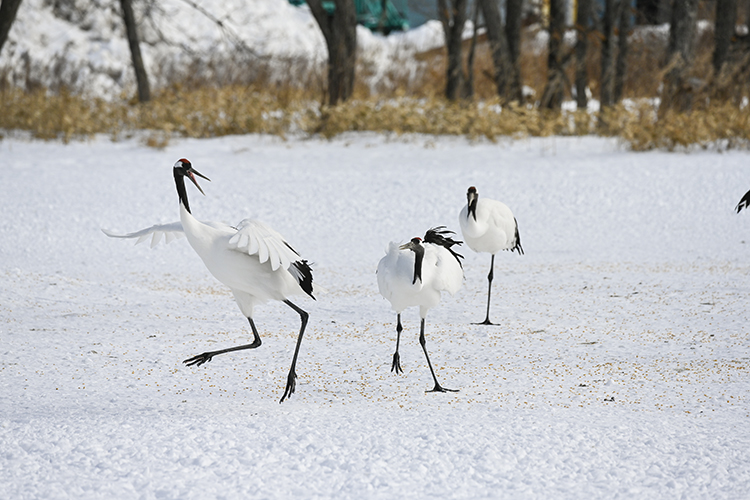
(168, 232)
(254, 237)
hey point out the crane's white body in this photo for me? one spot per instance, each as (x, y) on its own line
(251, 259)
(493, 230)
(441, 272)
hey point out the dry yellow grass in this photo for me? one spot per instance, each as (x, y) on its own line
(414, 106)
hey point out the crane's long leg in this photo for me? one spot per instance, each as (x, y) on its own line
(438, 387)
(291, 381)
(489, 292)
(396, 365)
(206, 356)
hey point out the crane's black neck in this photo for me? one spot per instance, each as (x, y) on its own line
(179, 180)
(418, 250)
(473, 208)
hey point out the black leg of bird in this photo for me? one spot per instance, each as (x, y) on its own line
(207, 356)
(490, 277)
(291, 379)
(396, 365)
(422, 342)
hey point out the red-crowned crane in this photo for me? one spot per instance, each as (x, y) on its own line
(489, 226)
(251, 259)
(415, 274)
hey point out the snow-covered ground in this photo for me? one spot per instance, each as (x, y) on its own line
(620, 369)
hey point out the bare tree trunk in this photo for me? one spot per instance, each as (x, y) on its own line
(621, 67)
(498, 44)
(453, 19)
(677, 94)
(468, 91)
(583, 14)
(553, 92)
(340, 32)
(608, 57)
(8, 10)
(726, 18)
(513, 15)
(141, 77)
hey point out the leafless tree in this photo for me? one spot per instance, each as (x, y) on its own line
(8, 9)
(608, 53)
(552, 96)
(498, 43)
(141, 77)
(453, 18)
(513, 15)
(468, 90)
(583, 21)
(340, 32)
(677, 92)
(726, 18)
(621, 66)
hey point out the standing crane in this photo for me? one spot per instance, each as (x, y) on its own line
(252, 259)
(489, 226)
(415, 274)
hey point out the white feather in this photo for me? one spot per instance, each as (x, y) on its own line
(169, 232)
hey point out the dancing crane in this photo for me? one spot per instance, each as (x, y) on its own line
(251, 259)
(414, 274)
(489, 226)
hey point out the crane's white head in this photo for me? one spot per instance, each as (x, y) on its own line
(472, 196)
(183, 168)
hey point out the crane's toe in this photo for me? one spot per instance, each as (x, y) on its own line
(439, 388)
(199, 359)
(396, 365)
(291, 384)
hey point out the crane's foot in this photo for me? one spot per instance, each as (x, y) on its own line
(291, 383)
(199, 359)
(439, 388)
(486, 322)
(396, 365)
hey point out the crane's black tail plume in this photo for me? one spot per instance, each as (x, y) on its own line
(302, 272)
(440, 235)
(517, 247)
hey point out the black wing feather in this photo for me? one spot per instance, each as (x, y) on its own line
(440, 235)
(302, 272)
(517, 247)
(744, 202)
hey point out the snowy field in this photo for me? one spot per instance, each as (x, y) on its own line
(620, 369)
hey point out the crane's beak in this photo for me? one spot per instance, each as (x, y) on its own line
(192, 178)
